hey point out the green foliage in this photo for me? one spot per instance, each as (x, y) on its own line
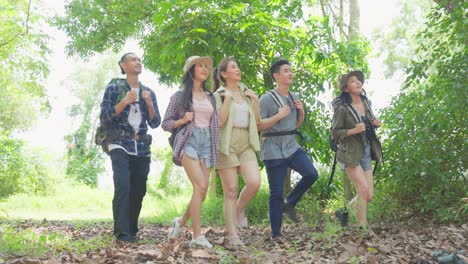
(255, 33)
(171, 180)
(11, 159)
(20, 170)
(84, 158)
(22, 74)
(23, 70)
(425, 128)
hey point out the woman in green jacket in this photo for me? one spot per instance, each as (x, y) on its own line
(238, 141)
(354, 126)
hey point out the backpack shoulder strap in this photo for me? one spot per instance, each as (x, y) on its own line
(121, 86)
(292, 97)
(276, 97)
(179, 94)
(368, 106)
(354, 113)
(212, 99)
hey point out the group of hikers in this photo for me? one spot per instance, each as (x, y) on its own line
(223, 127)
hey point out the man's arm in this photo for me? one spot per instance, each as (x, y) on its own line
(300, 113)
(267, 122)
(110, 109)
(152, 105)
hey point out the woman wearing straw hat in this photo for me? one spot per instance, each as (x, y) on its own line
(193, 113)
(238, 141)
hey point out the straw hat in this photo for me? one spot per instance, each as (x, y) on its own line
(208, 61)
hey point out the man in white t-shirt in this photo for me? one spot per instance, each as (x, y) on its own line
(127, 108)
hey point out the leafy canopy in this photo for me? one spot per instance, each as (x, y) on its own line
(255, 33)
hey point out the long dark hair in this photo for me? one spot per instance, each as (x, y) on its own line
(217, 78)
(346, 97)
(188, 88)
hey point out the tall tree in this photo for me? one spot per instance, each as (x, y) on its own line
(350, 35)
(354, 17)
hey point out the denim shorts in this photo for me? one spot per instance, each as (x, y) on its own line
(366, 161)
(199, 145)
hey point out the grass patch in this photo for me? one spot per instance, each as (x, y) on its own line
(79, 203)
(38, 242)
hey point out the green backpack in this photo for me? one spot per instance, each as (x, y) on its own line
(102, 137)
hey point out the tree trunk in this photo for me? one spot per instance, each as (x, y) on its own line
(353, 19)
(341, 26)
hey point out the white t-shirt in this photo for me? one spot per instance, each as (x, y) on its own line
(134, 116)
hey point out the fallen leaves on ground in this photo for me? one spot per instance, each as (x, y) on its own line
(409, 242)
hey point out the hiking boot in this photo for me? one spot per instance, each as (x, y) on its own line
(200, 241)
(343, 216)
(125, 239)
(231, 242)
(290, 212)
(277, 239)
(176, 229)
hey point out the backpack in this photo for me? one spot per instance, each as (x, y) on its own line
(102, 137)
(174, 132)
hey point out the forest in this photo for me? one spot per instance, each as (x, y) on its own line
(56, 205)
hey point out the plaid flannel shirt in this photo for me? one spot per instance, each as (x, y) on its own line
(120, 122)
(174, 112)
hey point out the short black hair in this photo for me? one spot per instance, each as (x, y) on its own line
(275, 67)
(122, 59)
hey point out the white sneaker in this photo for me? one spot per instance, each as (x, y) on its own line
(201, 241)
(176, 229)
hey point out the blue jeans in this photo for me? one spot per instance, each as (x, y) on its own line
(130, 175)
(276, 171)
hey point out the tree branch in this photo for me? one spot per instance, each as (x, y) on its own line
(27, 17)
(338, 21)
(10, 40)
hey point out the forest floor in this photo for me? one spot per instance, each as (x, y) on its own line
(407, 241)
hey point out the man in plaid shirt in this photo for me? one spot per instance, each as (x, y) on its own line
(127, 108)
